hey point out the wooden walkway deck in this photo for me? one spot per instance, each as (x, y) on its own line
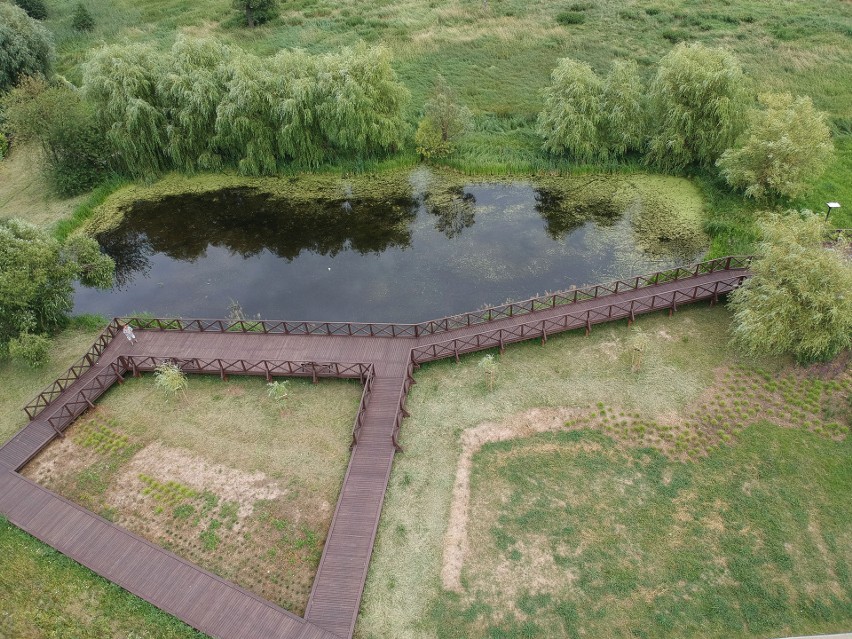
(381, 355)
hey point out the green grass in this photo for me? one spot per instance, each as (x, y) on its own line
(573, 534)
(45, 594)
(574, 374)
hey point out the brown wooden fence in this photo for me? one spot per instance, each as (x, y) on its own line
(445, 324)
(43, 399)
(569, 321)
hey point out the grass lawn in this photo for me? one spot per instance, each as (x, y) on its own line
(667, 417)
(221, 476)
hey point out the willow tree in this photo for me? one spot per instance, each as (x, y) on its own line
(786, 147)
(572, 115)
(360, 101)
(444, 120)
(191, 85)
(799, 298)
(697, 99)
(246, 120)
(121, 81)
(26, 47)
(622, 127)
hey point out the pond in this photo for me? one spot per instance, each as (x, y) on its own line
(428, 246)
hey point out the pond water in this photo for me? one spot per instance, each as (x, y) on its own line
(422, 253)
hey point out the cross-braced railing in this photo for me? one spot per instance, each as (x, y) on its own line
(573, 320)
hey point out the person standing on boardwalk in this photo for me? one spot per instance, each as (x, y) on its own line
(128, 333)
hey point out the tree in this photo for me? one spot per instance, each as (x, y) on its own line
(786, 147)
(572, 114)
(799, 298)
(444, 120)
(191, 87)
(65, 127)
(697, 99)
(257, 11)
(26, 47)
(622, 126)
(82, 19)
(36, 277)
(35, 9)
(121, 82)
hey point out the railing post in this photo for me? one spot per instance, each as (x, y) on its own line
(728, 263)
(588, 324)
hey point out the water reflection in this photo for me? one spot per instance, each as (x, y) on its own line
(425, 252)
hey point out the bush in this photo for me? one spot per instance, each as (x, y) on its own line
(170, 379)
(29, 348)
(82, 19)
(4, 145)
(254, 12)
(444, 120)
(570, 17)
(799, 298)
(697, 98)
(35, 9)
(787, 146)
(37, 275)
(26, 47)
(65, 127)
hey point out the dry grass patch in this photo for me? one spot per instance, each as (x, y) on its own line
(224, 477)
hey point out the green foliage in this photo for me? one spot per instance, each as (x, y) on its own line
(572, 117)
(82, 20)
(489, 367)
(566, 18)
(30, 348)
(191, 88)
(170, 379)
(121, 82)
(36, 276)
(35, 9)
(203, 105)
(277, 391)
(65, 127)
(697, 98)
(26, 47)
(787, 146)
(624, 112)
(254, 12)
(444, 120)
(799, 299)
(593, 120)
(4, 145)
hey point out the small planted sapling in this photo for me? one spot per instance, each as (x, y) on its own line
(489, 366)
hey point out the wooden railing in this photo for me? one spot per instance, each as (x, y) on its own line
(574, 296)
(45, 397)
(265, 367)
(401, 413)
(86, 396)
(362, 407)
(569, 321)
(444, 324)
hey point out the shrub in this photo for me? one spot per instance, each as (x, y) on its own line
(65, 127)
(697, 98)
(35, 9)
(799, 298)
(29, 348)
(170, 379)
(444, 120)
(489, 366)
(4, 145)
(786, 147)
(82, 19)
(570, 17)
(26, 47)
(36, 277)
(277, 392)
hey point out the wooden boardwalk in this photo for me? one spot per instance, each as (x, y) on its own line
(383, 356)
